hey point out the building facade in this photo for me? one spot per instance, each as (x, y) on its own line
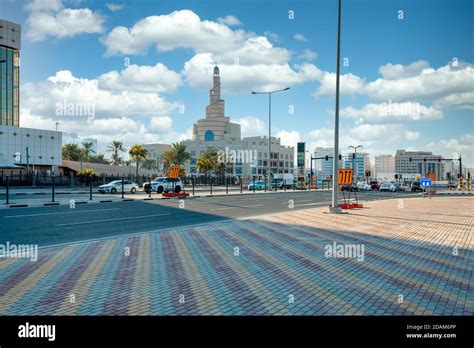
(323, 167)
(360, 164)
(10, 44)
(154, 152)
(39, 149)
(384, 167)
(411, 164)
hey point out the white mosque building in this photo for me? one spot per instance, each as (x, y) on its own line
(245, 156)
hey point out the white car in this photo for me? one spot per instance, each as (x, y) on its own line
(388, 186)
(160, 185)
(116, 186)
(363, 186)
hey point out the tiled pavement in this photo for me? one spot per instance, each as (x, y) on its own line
(418, 259)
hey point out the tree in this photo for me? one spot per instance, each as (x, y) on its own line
(148, 163)
(115, 147)
(177, 155)
(208, 161)
(87, 151)
(72, 152)
(137, 152)
(99, 158)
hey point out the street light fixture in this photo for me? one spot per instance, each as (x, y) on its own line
(354, 165)
(270, 124)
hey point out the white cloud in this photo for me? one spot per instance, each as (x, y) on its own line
(114, 7)
(229, 20)
(392, 112)
(143, 78)
(300, 37)
(252, 126)
(179, 29)
(308, 55)
(289, 138)
(350, 84)
(243, 78)
(51, 19)
(410, 136)
(273, 36)
(160, 124)
(65, 89)
(418, 81)
(456, 101)
(396, 71)
(463, 145)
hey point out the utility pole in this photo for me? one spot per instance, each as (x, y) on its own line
(335, 205)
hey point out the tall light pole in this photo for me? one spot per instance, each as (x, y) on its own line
(335, 206)
(354, 165)
(270, 125)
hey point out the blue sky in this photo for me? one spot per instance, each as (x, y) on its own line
(105, 54)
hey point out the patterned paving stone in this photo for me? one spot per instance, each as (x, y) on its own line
(417, 259)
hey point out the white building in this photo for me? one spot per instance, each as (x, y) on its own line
(384, 167)
(42, 146)
(412, 164)
(155, 151)
(360, 164)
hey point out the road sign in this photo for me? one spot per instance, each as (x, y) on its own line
(426, 182)
(344, 176)
(173, 172)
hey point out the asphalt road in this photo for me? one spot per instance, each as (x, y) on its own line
(61, 224)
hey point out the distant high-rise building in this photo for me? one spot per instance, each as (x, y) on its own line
(422, 163)
(384, 167)
(362, 163)
(323, 168)
(10, 44)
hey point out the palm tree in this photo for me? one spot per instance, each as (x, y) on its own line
(72, 152)
(208, 161)
(99, 158)
(177, 155)
(137, 152)
(115, 147)
(148, 163)
(87, 151)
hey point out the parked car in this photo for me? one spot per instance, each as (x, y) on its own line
(374, 185)
(116, 186)
(258, 185)
(281, 183)
(399, 187)
(349, 187)
(363, 186)
(416, 186)
(154, 184)
(387, 186)
(167, 185)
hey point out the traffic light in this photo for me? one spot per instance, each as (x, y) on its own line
(396, 176)
(327, 157)
(370, 173)
(424, 159)
(340, 156)
(353, 156)
(409, 159)
(448, 175)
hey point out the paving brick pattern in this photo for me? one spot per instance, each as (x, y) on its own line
(418, 260)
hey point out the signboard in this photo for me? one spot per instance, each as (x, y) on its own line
(301, 165)
(344, 176)
(173, 172)
(426, 182)
(431, 176)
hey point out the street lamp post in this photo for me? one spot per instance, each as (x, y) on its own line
(270, 125)
(335, 206)
(354, 165)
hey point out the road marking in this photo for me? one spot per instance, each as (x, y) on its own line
(240, 206)
(63, 212)
(316, 203)
(110, 220)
